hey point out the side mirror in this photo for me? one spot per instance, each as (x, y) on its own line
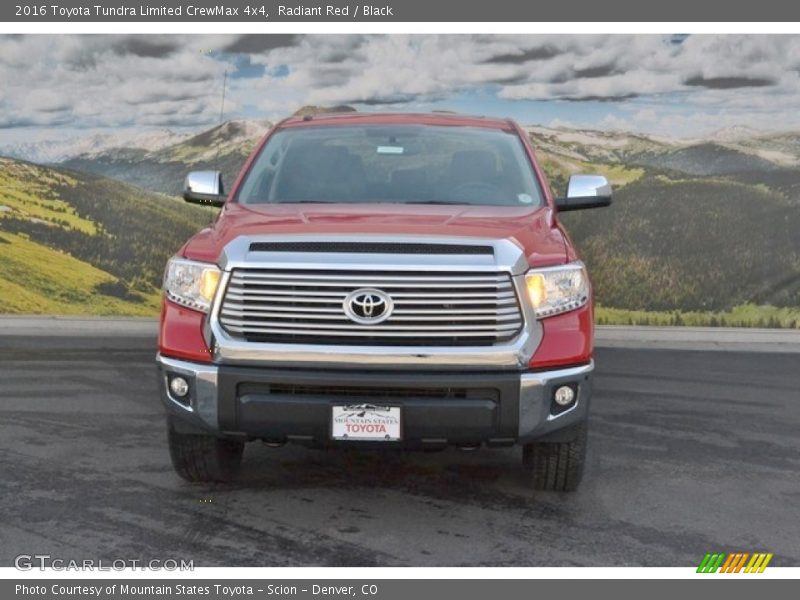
(585, 191)
(204, 187)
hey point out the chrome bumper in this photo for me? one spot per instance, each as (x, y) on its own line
(201, 408)
(534, 396)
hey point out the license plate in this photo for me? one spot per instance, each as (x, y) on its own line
(366, 422)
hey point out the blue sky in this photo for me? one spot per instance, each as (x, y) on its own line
(678, 86)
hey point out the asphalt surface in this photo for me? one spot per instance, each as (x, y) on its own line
(690, 452)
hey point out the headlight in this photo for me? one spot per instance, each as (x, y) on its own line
(191, 283)
(556, 290)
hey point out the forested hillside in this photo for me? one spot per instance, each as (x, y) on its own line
(698, 234)
(72, 243)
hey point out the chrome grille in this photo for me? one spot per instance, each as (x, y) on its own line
(430, 308)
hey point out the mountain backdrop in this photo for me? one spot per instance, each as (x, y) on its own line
(162, 169)
(701, 231)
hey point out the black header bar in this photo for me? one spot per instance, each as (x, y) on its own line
(464, 11)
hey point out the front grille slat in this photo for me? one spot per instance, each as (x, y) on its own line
(231, 315)
(250, 299)
(341, 327)
(252, 309)
(448, 317)
(375, 334)
(255, 283)
(512, 310)
(257, 291)
(430, 309)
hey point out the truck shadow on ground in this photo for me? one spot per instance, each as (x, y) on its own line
(489, 476)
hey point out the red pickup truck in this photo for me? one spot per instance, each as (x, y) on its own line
(381, 280)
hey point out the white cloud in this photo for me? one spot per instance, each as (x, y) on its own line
(121, 81)
(105, 81)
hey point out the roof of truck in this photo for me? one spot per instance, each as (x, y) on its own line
(375, 118)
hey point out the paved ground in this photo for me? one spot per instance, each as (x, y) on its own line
(739, 339)
(690, 452)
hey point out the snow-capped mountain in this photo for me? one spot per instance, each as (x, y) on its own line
(56, 150)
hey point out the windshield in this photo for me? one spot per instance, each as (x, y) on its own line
(392, 163)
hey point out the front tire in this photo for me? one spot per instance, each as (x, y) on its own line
(203, 458)
(557, 466)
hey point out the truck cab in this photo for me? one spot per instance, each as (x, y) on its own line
(382, 280)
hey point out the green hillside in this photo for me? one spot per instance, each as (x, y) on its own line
(707, 159)
(700, 234)
(691, 244)
(41, 280)
(72, 243)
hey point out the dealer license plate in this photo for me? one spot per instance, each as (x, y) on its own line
(366, 422)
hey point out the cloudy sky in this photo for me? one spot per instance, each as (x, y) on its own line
(667, 85)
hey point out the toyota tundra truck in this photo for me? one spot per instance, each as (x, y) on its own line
(382, 280)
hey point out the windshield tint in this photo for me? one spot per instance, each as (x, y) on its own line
(392, 163)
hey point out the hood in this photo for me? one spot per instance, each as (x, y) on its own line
(533, 229)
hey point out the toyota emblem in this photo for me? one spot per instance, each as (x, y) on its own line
(368, 306)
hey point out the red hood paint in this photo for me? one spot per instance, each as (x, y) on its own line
(534, 229)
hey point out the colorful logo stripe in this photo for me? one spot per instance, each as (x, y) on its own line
(735, 562)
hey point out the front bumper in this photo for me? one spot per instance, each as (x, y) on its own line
(438, 407)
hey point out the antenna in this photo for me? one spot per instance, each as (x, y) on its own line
(222, 106)
(221, 121)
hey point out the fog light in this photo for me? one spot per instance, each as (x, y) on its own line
(564, 395)
(179, 386)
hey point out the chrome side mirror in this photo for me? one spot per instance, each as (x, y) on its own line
(204, 187)
(585, 191)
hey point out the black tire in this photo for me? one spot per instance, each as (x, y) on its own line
(203, 458)
(557, 466)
